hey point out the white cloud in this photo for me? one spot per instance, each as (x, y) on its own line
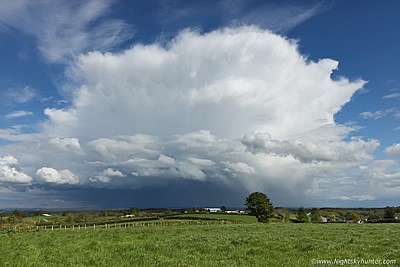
(279, 19)
(15, 134)
(112, 172)
(382, 173)
(229, 81)
(377, 114)
(66, 145)
(18, 114)
(357, 197)
(395, 95)
(239, 167)
(393, 150)
(17, 95)
(205, 107)
(63, 29)
(201, 162)
(10, 172)
(106, 175)
(166, 160)
(138, 144)
(312, 149)
(51, 175)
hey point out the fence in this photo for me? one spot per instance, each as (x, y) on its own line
(105, 226)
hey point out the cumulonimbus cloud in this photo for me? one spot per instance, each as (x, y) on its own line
(236, 106)
(229, 81)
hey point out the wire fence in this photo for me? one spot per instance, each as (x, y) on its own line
(105, 226)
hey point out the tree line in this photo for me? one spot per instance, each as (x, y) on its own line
(260, 206)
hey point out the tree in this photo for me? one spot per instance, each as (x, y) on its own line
(168, 211)
(284, 213)
(389, 213)
(302, 216)
(315, 216)
(134, 211)
(38, 213)
(223, 209)
(373, 216)
(258, 205)
(16, 213)
(353, 216)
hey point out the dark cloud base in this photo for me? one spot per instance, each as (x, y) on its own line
(182, 194)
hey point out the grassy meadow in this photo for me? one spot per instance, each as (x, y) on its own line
(202, 245)
(222, 216)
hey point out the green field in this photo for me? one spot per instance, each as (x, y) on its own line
(232, 217)
(203, 245)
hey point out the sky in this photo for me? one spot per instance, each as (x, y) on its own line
(118, 104)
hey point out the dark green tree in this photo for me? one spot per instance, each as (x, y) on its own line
(373, 216)
(16, 213)
(134, 211)
(223, 209)
(38, 213)
(168, 211)
(353, 216)
(389, 213)
(258, 205)
(315, 216)
(302, 216)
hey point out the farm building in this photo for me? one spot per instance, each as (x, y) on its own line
(213, 209)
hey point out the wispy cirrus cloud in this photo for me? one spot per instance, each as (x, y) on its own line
(282, 18)
(275, 17)
(378, 114)
(80, 26)
(394, 95)
(18, 114)
(17, 95)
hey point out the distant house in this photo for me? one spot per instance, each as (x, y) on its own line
(128, 216)
(213, 209)
(46, 215)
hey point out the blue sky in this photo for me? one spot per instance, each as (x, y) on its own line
(108, 104)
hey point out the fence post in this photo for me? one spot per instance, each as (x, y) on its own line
(85, 226)
(65, 227)
(73, 227)
(52, 228)
(79, 227)
(60, 227)
(94, 227)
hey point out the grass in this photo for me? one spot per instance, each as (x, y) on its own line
(202, 245)
(233, 217)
